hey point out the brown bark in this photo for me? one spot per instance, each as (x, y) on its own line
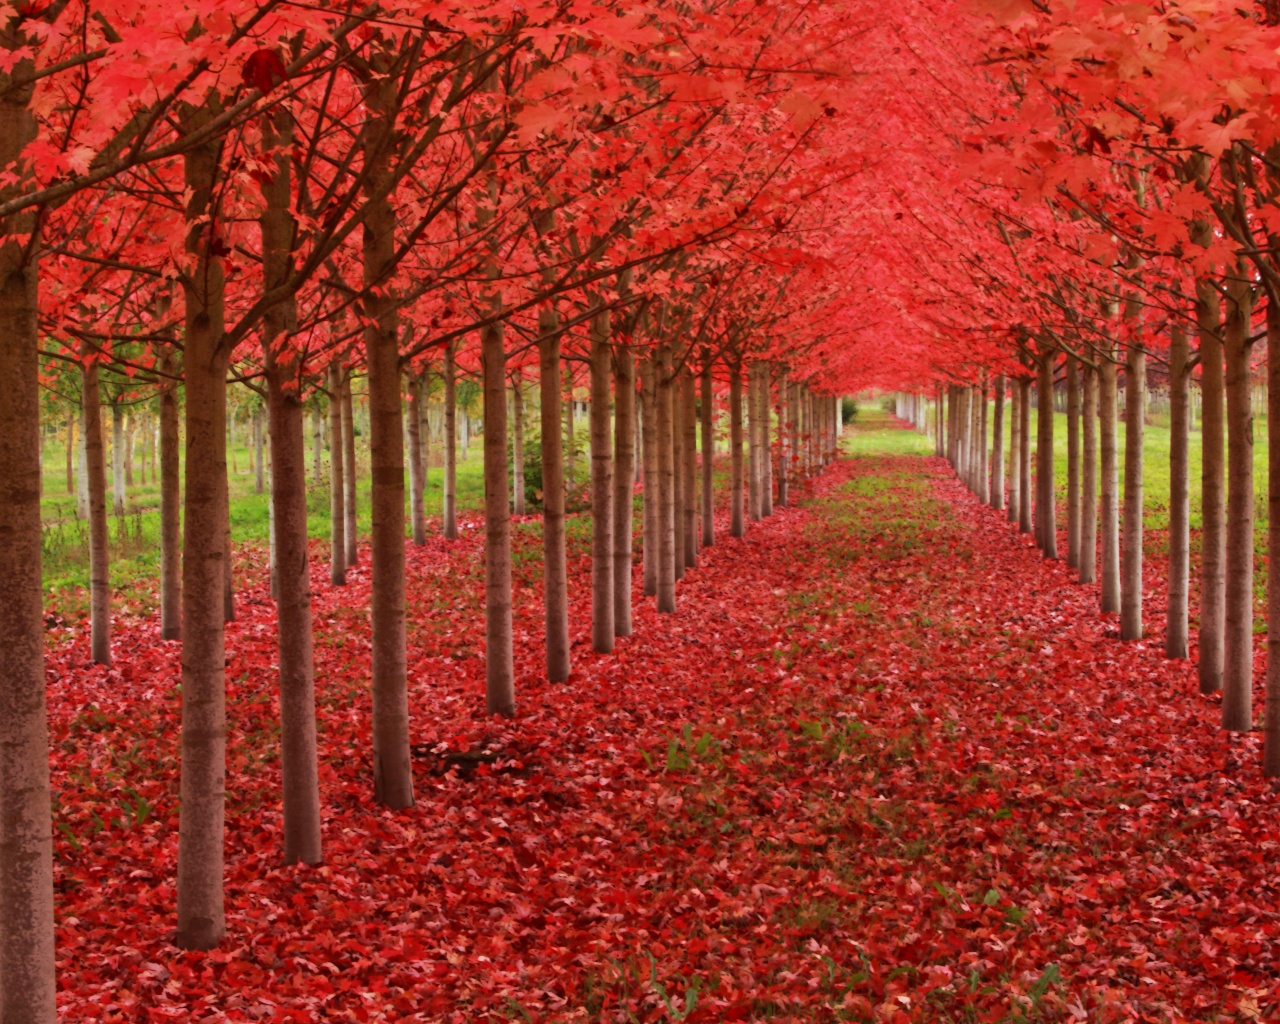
(259, 445)
(337, 488)
(1110, 502)
(784, 440)
(350, 508)
(1135, 406)
(650, 511)
(205, 571)
(500, 673)
(317, 442)
(766, 448)
(666, 482)
(555, 578)
(417, 513)
(1175, 638)
(997, 446)
(602, 498)
(1044, 460)
(1015, 451)
(737, 525)
(1073, 462)
(170, 508)
(1089, 478)
(286, 413)
(623, 486)
(1024, 454)
(689, 469)
(753, 441)
(99, 547)
(392, 767)
(1213, 492)
(517, 442)
(677, 471)
(984, 482)
(450, 443)
(27, 991)
(1237, 662)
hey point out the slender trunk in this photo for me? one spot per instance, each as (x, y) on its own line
(130, 427)
(555, 577)
(1175, 641)
(602, 498)
(677, 469)
(984, 482)
(689, 469)
(737, 526)
(1089, 479)
(652, 486)
(623, 486)
(27, 979)
(517, 442)
(170, 508)
(82, 473)
(784, 441)
(1237, 664)
(1024, 454)
(205, 571)
(753, 441)
(1044, 460)
(392, 767)
(1073, 462)
(1213, 528)
(337, 515)
(417, 514)
(450, 443)
(1135, 404)
(99, 547)
(286, 414)
(117, 457)
(706, 465)
(570, 445)
(1015, 452)
(500, 673)
(71, 441)
(997, 447)
(259, 449)
(350, 508)
(1271, 721)
(666, 482)
(766, 448)
(1110, 503)
(317, 442)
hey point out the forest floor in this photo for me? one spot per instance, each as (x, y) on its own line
(884, 764)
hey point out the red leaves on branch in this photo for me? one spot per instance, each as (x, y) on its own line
(264, 70)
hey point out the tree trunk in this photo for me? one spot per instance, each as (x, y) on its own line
(450, 443)
(259, 453)
(1073, 462)
(984, 482)
(1135, 404)
(170, 508)
(1213, 529)
(677, 469)
(651, 512)
(317, 442)
(1110, 480)
(500, 673)
(130, 427)
(205, 571)
(82, 473)
(1175, 641)
(602, 497)
(99, 547)
(1015, 451)
(997, 447)
(623, 486)
(27, 989)
(417, 514)
(689, 469)
(766, 448)
(784, 440)
(1044, 460)
(666, 481)
(555, 575)
(737, 526)
(292, 577)
(1024, 454)
(337, 487)
(1237, 663)
(1089, 479)
(117, 457)
(517, 442)
(350, 508)
(753, 441)
(570, 445)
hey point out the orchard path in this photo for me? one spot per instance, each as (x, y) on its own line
(884, 764)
